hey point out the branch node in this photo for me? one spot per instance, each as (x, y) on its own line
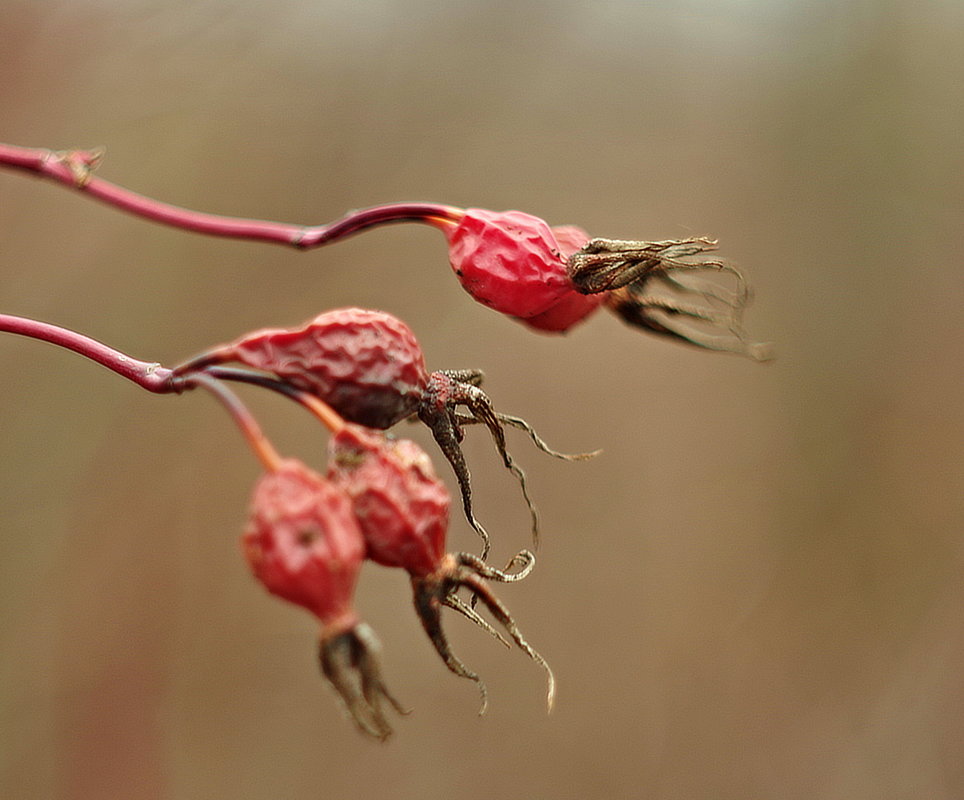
(80, 163)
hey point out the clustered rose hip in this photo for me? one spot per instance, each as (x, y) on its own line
(308, 534)
(361, 372)
(369, 367)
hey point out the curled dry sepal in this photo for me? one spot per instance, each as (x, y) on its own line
(369, 367)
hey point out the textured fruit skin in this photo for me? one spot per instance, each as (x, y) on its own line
(401, 506)
(303, 542)
(515, 263)
(367, 365)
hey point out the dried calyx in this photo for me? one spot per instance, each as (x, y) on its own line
(441, 587)
(350, 661)
(643, 282)
(449, 390)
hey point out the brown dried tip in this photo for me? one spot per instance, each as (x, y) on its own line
(441, 589)
(446, 391)
(644, 283)
(349, 660)
(81, 163)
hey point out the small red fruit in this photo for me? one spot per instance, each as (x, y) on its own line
(367, 365)
(402, 510)
(401, 506)
(515, 263)
(552, 278)
(304, 545)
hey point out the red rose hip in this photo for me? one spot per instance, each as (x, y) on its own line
(515, 263)
(402, 510)
(303, 542)
(367, 365)
(304, 545)
(401, 506)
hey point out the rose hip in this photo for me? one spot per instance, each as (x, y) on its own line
(304, 545)
(402, 510)
(515, 263)
(367, 365)
(552, 278)
(401, 506)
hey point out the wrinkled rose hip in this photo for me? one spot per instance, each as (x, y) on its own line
(402, 510)
(367, 365)
(551, 278)
(401, 506)
(304, 545)
(515, 263)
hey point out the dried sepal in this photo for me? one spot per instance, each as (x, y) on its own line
(647, 284)
(350, 661)
(601, 265)
(538, 441)
(449, 390)
(466, 571)
(468, 611)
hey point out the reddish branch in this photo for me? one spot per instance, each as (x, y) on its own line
(148, 375)
(75, 168)
(154, 377)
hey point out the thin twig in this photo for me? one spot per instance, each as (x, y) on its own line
(255, 437)
(148, 375)
(75, 168)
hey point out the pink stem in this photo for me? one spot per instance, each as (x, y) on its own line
(75, 168)
(147, 374)
(257, 441)
(324, 412)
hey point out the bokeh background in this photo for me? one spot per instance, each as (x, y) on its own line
(755, 592)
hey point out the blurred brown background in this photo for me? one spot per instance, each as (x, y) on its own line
(755, 592)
